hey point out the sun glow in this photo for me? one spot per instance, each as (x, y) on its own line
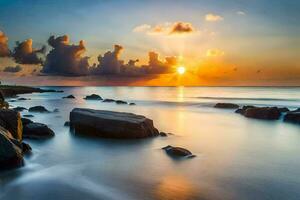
(181, 70)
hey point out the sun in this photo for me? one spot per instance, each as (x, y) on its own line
(181, 70)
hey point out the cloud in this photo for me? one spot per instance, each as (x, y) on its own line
(240, 13)
(167, 28)
(23, 53)
(4, 50)
(213, 18)
(15, 69)
(214, 53)
(111, 64)
(66, 59)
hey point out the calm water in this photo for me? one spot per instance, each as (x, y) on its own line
(237, 158)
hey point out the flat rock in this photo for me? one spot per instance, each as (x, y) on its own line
(226, 105)
(132, 104)
(11, 120)
(163, 134)
(111, 124)
(120, 102)
(267, 113)
(69, 97)
(37, 131)
(293, 117)
(19, 109)
(40, 109)
(93, 97)
(28, 116)
(177, 151)
(108, 100)
(10, 154)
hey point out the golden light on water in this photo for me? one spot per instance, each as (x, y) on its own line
(181, 70)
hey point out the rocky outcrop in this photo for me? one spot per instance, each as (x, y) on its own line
(12, 91)
(93, 97)
(10, 154)
(111, 124)
(243, 109)
(293, 117)
(178, 151)
(40, 109)
(283, 109)
(120, 102)
(19, 109)
(37, 131)
(108, 100)
(69, 97)
(267, 113)
(226, 105)
(11, 120)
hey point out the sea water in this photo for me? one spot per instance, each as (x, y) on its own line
(237, 157)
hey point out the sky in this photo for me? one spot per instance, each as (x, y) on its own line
(116, 42)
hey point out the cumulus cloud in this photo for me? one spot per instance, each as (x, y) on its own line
(4, 50)
(15, 69)
(66, 59)
(23, 53)
(166, 28)
(213, 18)
(111, 64)
(214, 52)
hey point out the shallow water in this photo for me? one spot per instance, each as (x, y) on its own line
(237, 158)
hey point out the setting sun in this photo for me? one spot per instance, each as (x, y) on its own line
(181, 70)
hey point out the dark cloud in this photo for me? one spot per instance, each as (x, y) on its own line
(13, 69)
(4, 50)
(111, 64)
(66, 59)
(24, 53)
(181, 27)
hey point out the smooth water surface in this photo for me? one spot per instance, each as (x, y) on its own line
(237, 158)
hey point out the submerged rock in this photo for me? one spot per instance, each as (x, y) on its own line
(226, 105)
(22, 99)
(163, 134)
(93, 97)
(108, 100)
(132, 104)
(293, 117)
(67, 123)
(26, 121)
(268, 113)
(28, 116)
(178, 151)
(11, 120)
(120, 102)
(40, 109)
(111, 124)
(37, 131)
(56, 110)
(10, 154)
(19, 109)
(69, 97)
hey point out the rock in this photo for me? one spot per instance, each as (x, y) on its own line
(93, 97)
(293, 117)
(283, 109)
(109, 100)
(297, 110)
(67, 123)
(243, 109)
(26, 148)
(37, 131)
(120, 102)
(26, 121)
(111, 124)
(28, 116)
(11, 120)
(40, 109)
(178, 151)
(69, 97)
(132, 104)
(163, 134)
(226, 105)
(22, 99)
(10, 154)
(56, 110)
(19, 109)
(268, 113)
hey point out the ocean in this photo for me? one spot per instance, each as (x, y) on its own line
(237, 157)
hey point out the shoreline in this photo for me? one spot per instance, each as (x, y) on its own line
(13, 90)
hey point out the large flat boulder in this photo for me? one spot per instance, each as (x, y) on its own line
(267, 113)
(11, 156)
(293, 117)
(36, 130)
(11, 120)
(111, 124)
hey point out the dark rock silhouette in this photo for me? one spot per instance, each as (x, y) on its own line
(284, 109)
(26, 121)
(120, 102)
(108, 100)
(40, 109)
(69, 97)
(67, 123)
(28, 116)
(268, 113)
(243, 109)
(37, 131)
(178, 151)
(163, 134)
(132, 104)
(19, 109)
(226, 105)
(11, 120)
(293, 117)
(111, 124)
(93, 97)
